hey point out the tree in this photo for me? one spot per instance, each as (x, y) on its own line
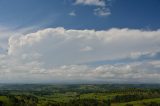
(1, 103)
(108, 102)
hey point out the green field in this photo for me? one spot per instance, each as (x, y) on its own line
(138, 102)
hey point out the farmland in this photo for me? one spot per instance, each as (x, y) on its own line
(79, 95)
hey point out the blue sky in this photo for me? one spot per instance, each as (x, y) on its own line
(78, 41)
(54, 13)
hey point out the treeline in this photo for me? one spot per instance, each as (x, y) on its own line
(146, 104)
(151, 104)
(134, 97)
(82, 102)
(29, 100)
(22, 100)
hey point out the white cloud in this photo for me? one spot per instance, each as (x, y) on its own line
(122, 73)
(60, 43)
(6, 33)
(102, 11)
(91, 2)
(55, 53)
(87, 48)
(136, 55)
(101, 8)
(72, 13)
(155, 63)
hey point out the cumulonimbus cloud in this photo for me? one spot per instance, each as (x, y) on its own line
(58, 52)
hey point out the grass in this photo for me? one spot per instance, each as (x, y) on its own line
(5, 100)
(139, 102)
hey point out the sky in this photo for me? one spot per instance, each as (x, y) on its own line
(79, 41)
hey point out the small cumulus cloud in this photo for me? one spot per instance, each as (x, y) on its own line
(91, 2)
(102, 11)
(102, 8)
(72, 13)
(87, 48)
